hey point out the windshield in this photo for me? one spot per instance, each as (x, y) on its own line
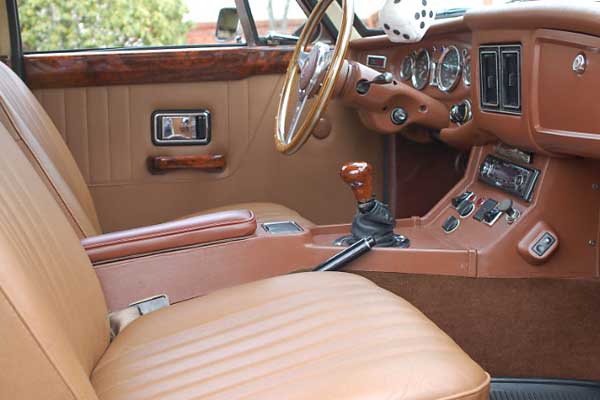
(368, 10)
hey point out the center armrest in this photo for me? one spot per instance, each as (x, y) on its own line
(203, 229)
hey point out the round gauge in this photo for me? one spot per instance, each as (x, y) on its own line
(449, 69)
(420, 75)
(406, 69)
(467, 70)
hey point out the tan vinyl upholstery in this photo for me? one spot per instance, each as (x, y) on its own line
(27, 120)
(52, 308)
(303, 336)
(264, 212)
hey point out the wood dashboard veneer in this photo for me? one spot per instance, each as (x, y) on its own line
(93, 68)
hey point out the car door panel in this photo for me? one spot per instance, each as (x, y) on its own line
(108, 129)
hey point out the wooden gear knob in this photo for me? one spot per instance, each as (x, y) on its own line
(359, 176)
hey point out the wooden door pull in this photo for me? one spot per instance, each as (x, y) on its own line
(209, 163)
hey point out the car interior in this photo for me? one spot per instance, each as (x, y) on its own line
(400, 207)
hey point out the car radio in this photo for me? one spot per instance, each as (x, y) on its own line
(509, 177)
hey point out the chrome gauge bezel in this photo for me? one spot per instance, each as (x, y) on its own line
(408, 58)
(415, 84)
(467, 78)
(441, 61)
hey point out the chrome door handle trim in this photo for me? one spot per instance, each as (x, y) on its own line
(181, 127)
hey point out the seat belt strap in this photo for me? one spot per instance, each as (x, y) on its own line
(120, 319)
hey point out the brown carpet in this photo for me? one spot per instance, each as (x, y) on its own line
(538, 328)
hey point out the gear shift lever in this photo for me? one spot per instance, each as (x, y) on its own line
(358, 175)
(373, 218)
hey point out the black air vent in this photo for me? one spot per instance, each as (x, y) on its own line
(500, 78)
(511, 78)
(490, 82)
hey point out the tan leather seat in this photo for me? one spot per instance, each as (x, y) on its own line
(26, 119)
(304, 336)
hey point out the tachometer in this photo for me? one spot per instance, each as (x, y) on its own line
(449, 69)
(420, 75)
(406, 69)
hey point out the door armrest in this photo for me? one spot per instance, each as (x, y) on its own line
(193, 231)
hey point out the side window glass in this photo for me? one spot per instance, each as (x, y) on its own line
(277, 17)
(50, 25)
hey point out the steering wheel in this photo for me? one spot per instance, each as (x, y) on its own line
(312, 75)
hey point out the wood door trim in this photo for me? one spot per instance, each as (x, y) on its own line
(205, 162)
(99, 68)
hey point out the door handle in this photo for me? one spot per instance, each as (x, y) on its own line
(181, 128)
(209, 163)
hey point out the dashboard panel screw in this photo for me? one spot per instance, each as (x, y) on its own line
(592, 243)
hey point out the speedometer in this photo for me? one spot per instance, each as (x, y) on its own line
(406, 69)
(420, 75)
(449, 69)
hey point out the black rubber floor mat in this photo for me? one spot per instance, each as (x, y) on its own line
(543, 389)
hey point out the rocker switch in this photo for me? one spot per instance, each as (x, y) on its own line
(543, 244)
(461, 198)
(487, 212)
(451, 224)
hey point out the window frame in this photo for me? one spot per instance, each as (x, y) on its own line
(14, 30)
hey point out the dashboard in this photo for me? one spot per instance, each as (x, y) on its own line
(529, 75)
(440, 67)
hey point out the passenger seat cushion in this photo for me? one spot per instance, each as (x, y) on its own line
(319, 335)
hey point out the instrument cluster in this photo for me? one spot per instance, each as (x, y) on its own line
(422, 68)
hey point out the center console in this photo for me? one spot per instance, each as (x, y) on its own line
(514, 214)
(506, 176)
(511, 215)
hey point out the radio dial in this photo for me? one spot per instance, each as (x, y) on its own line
(487, 169)
(519, 180)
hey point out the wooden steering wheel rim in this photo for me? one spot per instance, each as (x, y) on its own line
(328, 85)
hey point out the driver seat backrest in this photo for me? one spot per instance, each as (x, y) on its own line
(26, 119)
(52, 310)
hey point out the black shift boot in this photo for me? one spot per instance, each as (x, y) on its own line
(374, 219)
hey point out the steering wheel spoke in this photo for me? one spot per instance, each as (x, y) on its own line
(296, 118)
(302, 59)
